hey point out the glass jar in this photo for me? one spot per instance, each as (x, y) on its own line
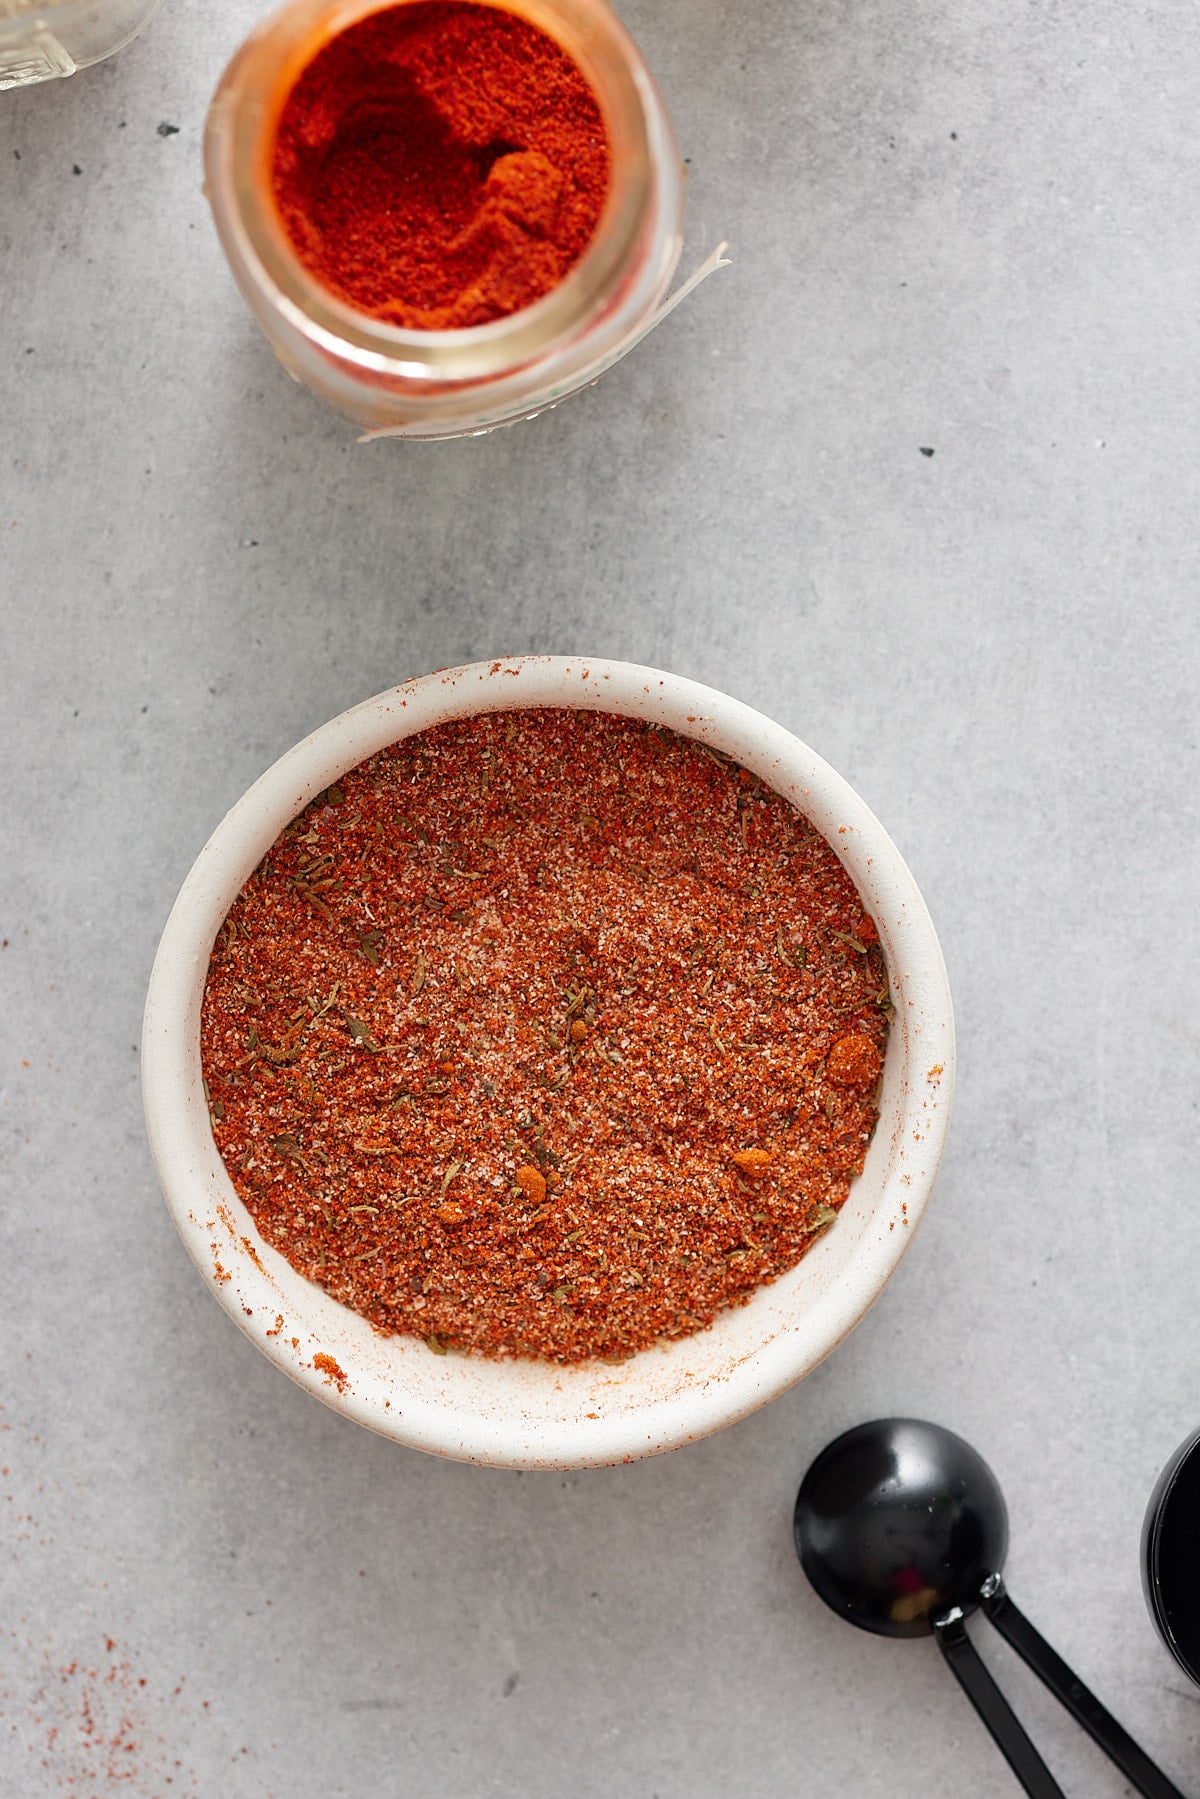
(43, 38)
(413, 383)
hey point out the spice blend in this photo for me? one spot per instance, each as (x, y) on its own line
(440, 164)
(545, 1033)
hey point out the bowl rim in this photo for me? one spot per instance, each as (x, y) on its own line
(763, 1359)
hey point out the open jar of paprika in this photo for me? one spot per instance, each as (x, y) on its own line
(446, 215)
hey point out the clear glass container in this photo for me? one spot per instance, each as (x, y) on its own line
(413, 383)
(40, 39)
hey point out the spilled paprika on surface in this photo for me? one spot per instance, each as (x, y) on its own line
(545, 1033)
(440, 164)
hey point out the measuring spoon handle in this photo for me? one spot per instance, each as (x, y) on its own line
(1082, 1704)
(993, 1707)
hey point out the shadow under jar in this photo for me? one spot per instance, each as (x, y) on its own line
(449, 383)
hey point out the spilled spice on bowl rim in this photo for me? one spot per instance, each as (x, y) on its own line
(545, 1033)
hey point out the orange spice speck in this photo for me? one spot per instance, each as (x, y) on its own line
(854, 1061)
(754, 1162)
(334, 1375)
(532, 1183)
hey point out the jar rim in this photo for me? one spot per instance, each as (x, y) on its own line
(239, 141)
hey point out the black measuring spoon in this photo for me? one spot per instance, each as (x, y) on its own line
(902, 1530)
(1171, 1556)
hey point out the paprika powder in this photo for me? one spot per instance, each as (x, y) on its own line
(446, 216)
(440, 164)
(545, 1033)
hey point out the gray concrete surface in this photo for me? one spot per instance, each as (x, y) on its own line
(958, 226)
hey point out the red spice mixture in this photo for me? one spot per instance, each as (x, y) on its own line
(545, 1033)
(440, 164)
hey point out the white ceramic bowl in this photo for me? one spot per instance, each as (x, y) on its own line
(524, 1413)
